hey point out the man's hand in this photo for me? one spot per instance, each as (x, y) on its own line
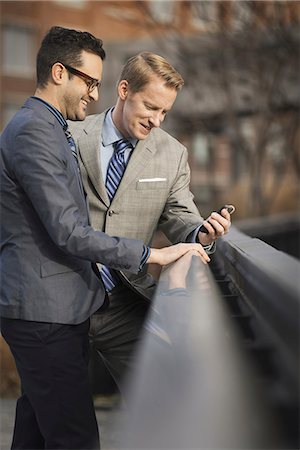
(217, 225)
(167, 255)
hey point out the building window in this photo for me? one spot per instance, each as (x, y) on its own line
(18, 51)
(72, 3)
(241, 15)
(201, 151)
(162, 11)
(204, 15)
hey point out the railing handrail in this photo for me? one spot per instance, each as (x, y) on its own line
(193, 387)
(283, 268)
(269, 282)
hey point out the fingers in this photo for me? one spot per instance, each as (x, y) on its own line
(203, 255)
(217, 225)
(211, 232)
(197, 250)
(221, 223)
(167, 255)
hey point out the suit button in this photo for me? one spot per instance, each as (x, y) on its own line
(110, 212)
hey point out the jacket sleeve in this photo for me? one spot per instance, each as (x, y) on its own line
(180, 216)
(45, 170)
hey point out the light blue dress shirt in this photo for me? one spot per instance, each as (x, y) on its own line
(111, 134)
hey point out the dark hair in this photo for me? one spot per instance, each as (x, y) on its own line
(64, 45)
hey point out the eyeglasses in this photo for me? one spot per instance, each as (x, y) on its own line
(91, 82)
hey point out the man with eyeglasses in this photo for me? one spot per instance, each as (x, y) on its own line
(50, 283)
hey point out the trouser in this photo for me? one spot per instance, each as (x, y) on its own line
(55, 410)
(115, 332)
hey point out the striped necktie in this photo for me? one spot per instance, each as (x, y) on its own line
(71, 142)
(116, 167)
(115, 171)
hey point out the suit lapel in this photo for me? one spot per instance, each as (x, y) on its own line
(89, 148)
(140, 158)
(89, 145)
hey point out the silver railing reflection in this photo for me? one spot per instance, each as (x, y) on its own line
(193, 387)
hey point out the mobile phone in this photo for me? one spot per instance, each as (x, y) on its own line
(230, 209)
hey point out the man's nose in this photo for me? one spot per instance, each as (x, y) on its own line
(94, 94)
(157, 118)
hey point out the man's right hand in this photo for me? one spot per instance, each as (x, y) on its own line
(167, 255)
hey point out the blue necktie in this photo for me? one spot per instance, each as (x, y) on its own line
(71, 143)
(115, 171)
(116, 167)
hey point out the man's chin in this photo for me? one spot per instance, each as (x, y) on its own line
(80, 116)
(143, 134)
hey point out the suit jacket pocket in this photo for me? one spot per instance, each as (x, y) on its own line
(151, 183)
(49, 268)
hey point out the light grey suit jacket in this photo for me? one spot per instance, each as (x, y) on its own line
(153, 194)
(47, 244)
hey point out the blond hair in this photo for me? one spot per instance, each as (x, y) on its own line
(139, 69)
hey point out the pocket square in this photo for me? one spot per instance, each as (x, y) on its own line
(151, 180)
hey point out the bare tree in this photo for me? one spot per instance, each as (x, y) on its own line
(241, 61)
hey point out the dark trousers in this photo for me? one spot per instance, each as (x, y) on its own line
(55, 410)
(116, 332)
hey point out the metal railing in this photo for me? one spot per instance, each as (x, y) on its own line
(196, 386)
(263, 295)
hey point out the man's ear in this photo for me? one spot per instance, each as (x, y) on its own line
(58, 73)
(123, 89)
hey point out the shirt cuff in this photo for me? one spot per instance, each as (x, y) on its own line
(145, 256)
(193, 238)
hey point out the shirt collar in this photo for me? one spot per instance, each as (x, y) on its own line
(110, 133)
(54, 111)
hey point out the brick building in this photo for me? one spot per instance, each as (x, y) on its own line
(217, 114)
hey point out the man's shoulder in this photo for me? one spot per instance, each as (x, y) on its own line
(89, 123)
(29, 119)
(162, 138)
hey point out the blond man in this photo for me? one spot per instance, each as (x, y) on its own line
(153, 193)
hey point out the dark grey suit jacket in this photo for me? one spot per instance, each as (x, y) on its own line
(47, 244)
